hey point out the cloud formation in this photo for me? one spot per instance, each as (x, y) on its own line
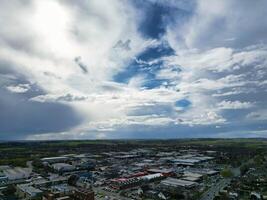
(132, 69)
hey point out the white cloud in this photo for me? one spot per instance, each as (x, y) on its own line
(20, 88)
(234, 105)
(57, 33)
(213, 23)
(234, 91)
(257, 115)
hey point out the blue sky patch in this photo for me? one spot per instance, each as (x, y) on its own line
(158, 16)
(184, 103)
(154, 83)
(139, 66)
(153, 26)
(156, 52)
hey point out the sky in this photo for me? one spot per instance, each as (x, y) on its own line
(117, 69)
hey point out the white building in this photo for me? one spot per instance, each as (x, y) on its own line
(63, 167)
(27, 191)
(17, 173)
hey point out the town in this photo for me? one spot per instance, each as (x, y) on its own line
(125, 170)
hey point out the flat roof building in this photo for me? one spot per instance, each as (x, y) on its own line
(55, 159)
(3, 179)
(63, 167)
(162, 171)
(152, 177)
(17, 173)
(177, 183)
(27, 191)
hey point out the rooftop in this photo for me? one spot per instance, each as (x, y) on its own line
(173, 182)
(29, 189)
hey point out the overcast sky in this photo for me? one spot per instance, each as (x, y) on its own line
(96, 69)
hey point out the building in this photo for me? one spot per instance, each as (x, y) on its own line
(64, 198)
(125, 157)
(208, 172)
(63, 167)
(55, 196)
(189, 176)
(177, 183)
(3, 179)
(17, 173)
(55, 159)
(137, 175)
(165, 172)
(83, 194)
(89, 165)
(204, 158)
(62, 189)
(189, 161)
(124, 183)
(56, 180)
(152, 177)
(27, 191)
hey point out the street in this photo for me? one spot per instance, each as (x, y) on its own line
(215, 189)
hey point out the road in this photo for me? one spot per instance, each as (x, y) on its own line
(29, 164)
(215, 189)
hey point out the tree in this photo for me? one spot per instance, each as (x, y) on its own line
(10, 190)
(226, 172)
(259, 160)
(243, 169)
(73, 179)
(37, 163)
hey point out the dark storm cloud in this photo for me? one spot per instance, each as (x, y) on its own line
(236, 130)
(20, 117)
